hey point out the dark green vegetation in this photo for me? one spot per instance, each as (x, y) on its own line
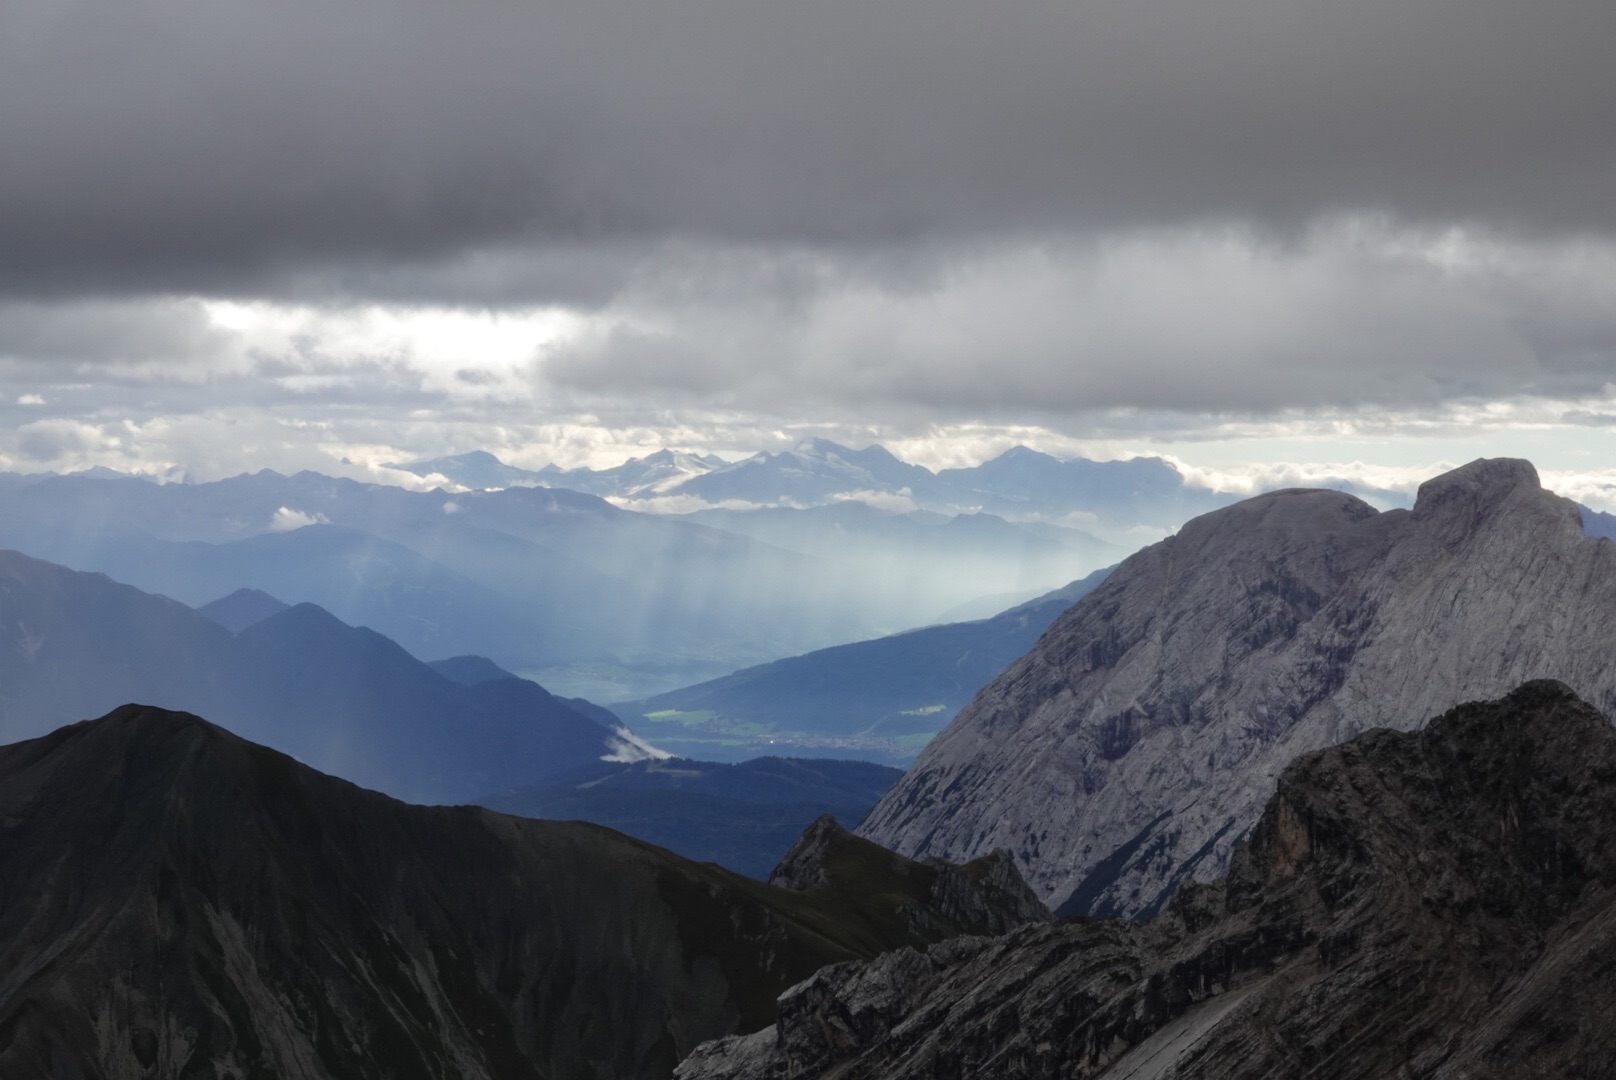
(179, 902)
(739, 816)
(884, 697)
(1438, 903)
(342, 698)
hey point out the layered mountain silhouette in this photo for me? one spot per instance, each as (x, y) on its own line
(352, 702)
(885, 696)
(1134, 746)
(345, 699)
(1020, 483)
(638, 477)
(599, 601)
(179, 902)
(1438, 903)
(528, 577)
(813, 472)
(243, 608)
(468, 669)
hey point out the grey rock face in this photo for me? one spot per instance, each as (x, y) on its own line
(804, 866)
(1137, 742)
(1436, 904)
(988, 895)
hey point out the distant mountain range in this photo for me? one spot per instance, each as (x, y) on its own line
(637, 477)
(180, 902)
(596, 600)
(883, 698)
(1021, 484)
(344, 699)
(744, 563)
(1134, 746)
(355, 704)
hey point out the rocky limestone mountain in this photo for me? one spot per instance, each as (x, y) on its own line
(176, 902)
(1137, 742)
(1437, 904)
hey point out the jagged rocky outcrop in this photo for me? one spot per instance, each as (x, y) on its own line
(1437, 904)
(936, 898)
(178, 902)
(1136, 743)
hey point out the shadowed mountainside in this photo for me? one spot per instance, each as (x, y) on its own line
(342, 698)
(179, 902)
(1437, 904)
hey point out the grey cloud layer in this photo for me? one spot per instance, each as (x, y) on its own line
(156, 144)
(1351, 315)
(1217, 320)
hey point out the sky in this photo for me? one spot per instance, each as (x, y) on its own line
(1273, 240)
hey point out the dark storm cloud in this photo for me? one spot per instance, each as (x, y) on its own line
(104, 338)
(160, 144)
(48, 440)
(1194, 321)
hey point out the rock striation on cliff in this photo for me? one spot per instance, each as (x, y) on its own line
(1134, 746)
(1437, 904)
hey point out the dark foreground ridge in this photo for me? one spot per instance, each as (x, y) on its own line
(178, 902)
(1435, 904)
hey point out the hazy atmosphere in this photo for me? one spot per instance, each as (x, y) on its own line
(1275, 242)
(840, 539)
